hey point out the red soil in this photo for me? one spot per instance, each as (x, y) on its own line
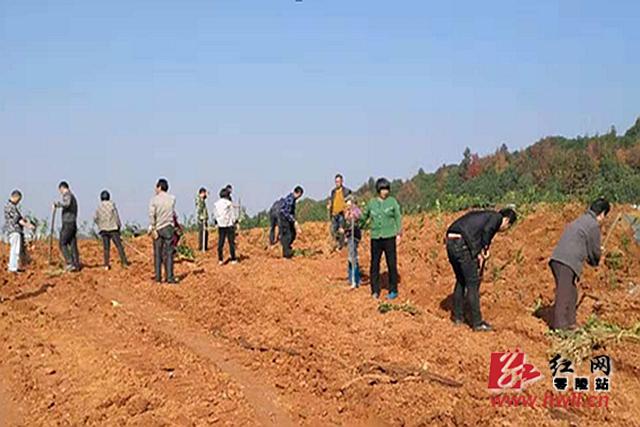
(277, 342)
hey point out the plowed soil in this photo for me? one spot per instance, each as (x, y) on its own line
(285, 342)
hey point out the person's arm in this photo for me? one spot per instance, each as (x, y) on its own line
(365, 215)
(287, 208)
(594, 250)
(26, 223)
(398, 217)
(115, 211)
(65, 202)
(232, 213)
(152, 214)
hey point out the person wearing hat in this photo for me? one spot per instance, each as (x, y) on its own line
(386, 226)
(109, 225)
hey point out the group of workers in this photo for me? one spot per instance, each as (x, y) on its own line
(468, 239)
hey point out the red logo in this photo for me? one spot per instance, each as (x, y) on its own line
(509, 371)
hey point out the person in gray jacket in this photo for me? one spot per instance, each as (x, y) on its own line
(108, 222)
(579, 242)
(161, 214)
(69, 229)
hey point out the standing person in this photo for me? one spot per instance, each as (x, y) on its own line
(69, 230)
(580, 241)
(386, 226)
(161, 227)
(353, 234)
(288, 227)
(274, 215)
(14, 224)
(108, 222)
(468, 241)
(336, 207)
(202, 216)
(226, 218)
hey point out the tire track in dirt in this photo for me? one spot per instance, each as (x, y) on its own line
(263, 399)
(107, 364)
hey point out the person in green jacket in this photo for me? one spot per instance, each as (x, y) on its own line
(386, 226)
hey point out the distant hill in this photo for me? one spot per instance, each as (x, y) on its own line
(554, 169)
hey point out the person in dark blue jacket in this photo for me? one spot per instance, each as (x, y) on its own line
(288, 227)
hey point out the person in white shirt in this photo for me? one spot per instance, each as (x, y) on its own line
(226, 217)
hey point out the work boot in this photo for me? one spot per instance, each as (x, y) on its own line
(483, 327)
(173, 281)
(375, 296)
(458, 322)
(392, 295)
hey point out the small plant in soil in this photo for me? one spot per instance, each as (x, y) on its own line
(185, 253)
(407, 307)
(614, 260)
(307, 252)
(577, 345)
(537, 305)
(624, 242)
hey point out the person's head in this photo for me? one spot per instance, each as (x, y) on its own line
(298, 192)
(339, 181)
(162, 185)
(230, 188)
(509, 217)
(15, 197)
(104, 196)
(383, 187)
(225, 193)
(600, 208)
(63, 187)
(202, 193)
(350, 201)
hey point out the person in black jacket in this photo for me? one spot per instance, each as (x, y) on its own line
(69, 229)
(274, 213)
(468, 241)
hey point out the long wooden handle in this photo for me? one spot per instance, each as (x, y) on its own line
(610, 233)
(53, 221)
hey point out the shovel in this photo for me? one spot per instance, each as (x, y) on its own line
(53, 221)
(613, 226)
(353, 261)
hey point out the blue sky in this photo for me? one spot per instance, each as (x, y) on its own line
(273, 93)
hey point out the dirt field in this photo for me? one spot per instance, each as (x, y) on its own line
(277, 342)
